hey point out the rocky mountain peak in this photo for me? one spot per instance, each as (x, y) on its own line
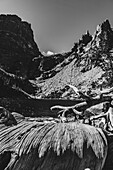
(17, 46)
(106, 25)
(79, 46)
(103, 36)
(91, 63)
(98, 51)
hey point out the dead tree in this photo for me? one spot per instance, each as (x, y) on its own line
(62, 143)
(79, 110)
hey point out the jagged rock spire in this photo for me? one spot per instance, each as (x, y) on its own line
(103, 36)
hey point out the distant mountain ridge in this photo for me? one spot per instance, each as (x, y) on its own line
(89, 64)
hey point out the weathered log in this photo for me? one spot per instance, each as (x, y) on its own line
(66, 161)
(104, 96)
(50, 144)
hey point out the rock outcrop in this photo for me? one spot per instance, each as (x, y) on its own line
(14, 86)
(51, 65)
(19, 53)
(17, 46)
(91, 66)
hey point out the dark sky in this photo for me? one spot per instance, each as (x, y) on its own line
(57, 24)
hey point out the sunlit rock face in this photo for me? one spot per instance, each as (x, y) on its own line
(17, 46)
(88, 64)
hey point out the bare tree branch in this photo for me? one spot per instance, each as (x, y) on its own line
(78, 109)
(79, 93)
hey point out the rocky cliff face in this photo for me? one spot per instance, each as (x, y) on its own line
(19, 53)
(17, 46)
(90, 66)
(99, 51)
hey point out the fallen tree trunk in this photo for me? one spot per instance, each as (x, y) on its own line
(56, 143)
(49, 144)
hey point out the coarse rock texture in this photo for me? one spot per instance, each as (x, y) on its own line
(90, 66)
(17, 46)
(56, 87)
(50, 65)
(19, 53)
(14, 92)
(13, 86)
